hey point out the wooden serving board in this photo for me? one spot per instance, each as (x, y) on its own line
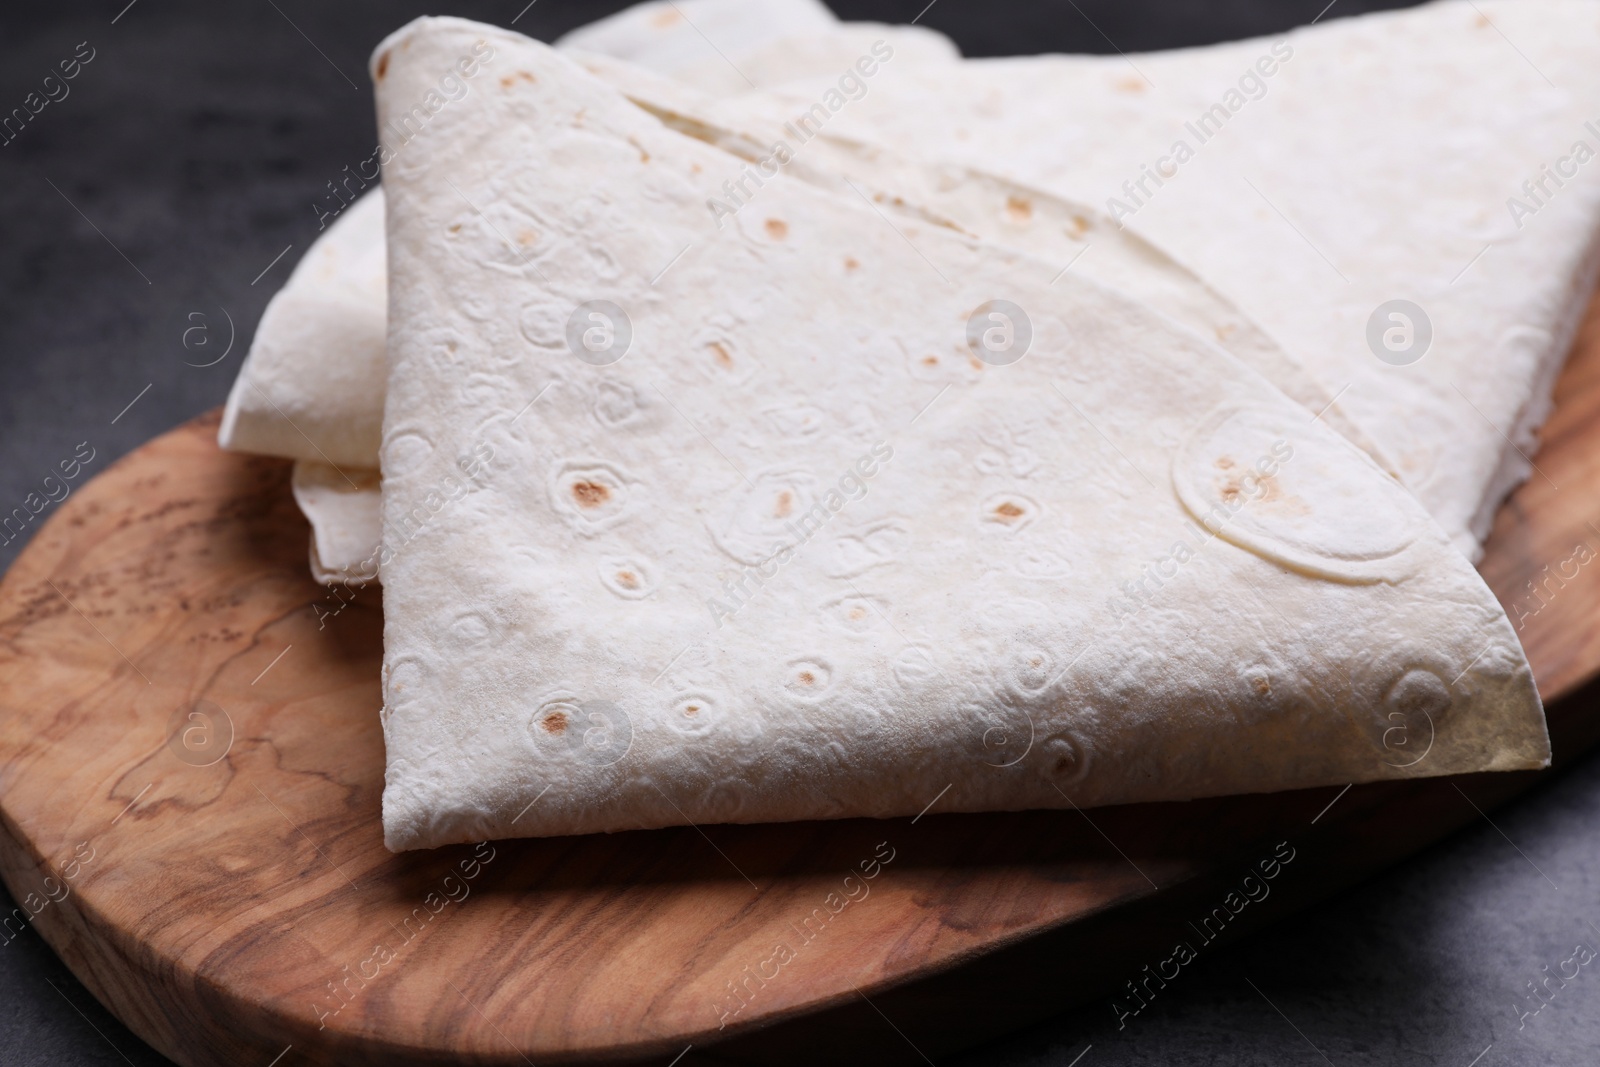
(235, 910)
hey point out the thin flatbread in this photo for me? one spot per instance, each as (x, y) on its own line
(676, 531)
(955, 197)
(344, 506)
(979, 203)
(311, 386)
(318, 349)
(308, 387)
(1438, 156)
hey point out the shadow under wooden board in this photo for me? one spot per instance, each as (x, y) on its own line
(236, 910)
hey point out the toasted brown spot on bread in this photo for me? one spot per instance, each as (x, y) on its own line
(383, 65)
(555, 722)
(1019, 209)
(1266, 489)
(808, 678)
(777, 229)
(627, 579)
(851, 263)
(1008, 512)
(785, 504)
(590, 494)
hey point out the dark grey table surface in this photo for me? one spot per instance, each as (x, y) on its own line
(156, 198)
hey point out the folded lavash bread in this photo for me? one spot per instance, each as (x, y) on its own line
(309, 388)
(344, 507)
(676, 531)
(344, 517)
(1438, 155)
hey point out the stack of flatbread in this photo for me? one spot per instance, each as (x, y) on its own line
(753, 417)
